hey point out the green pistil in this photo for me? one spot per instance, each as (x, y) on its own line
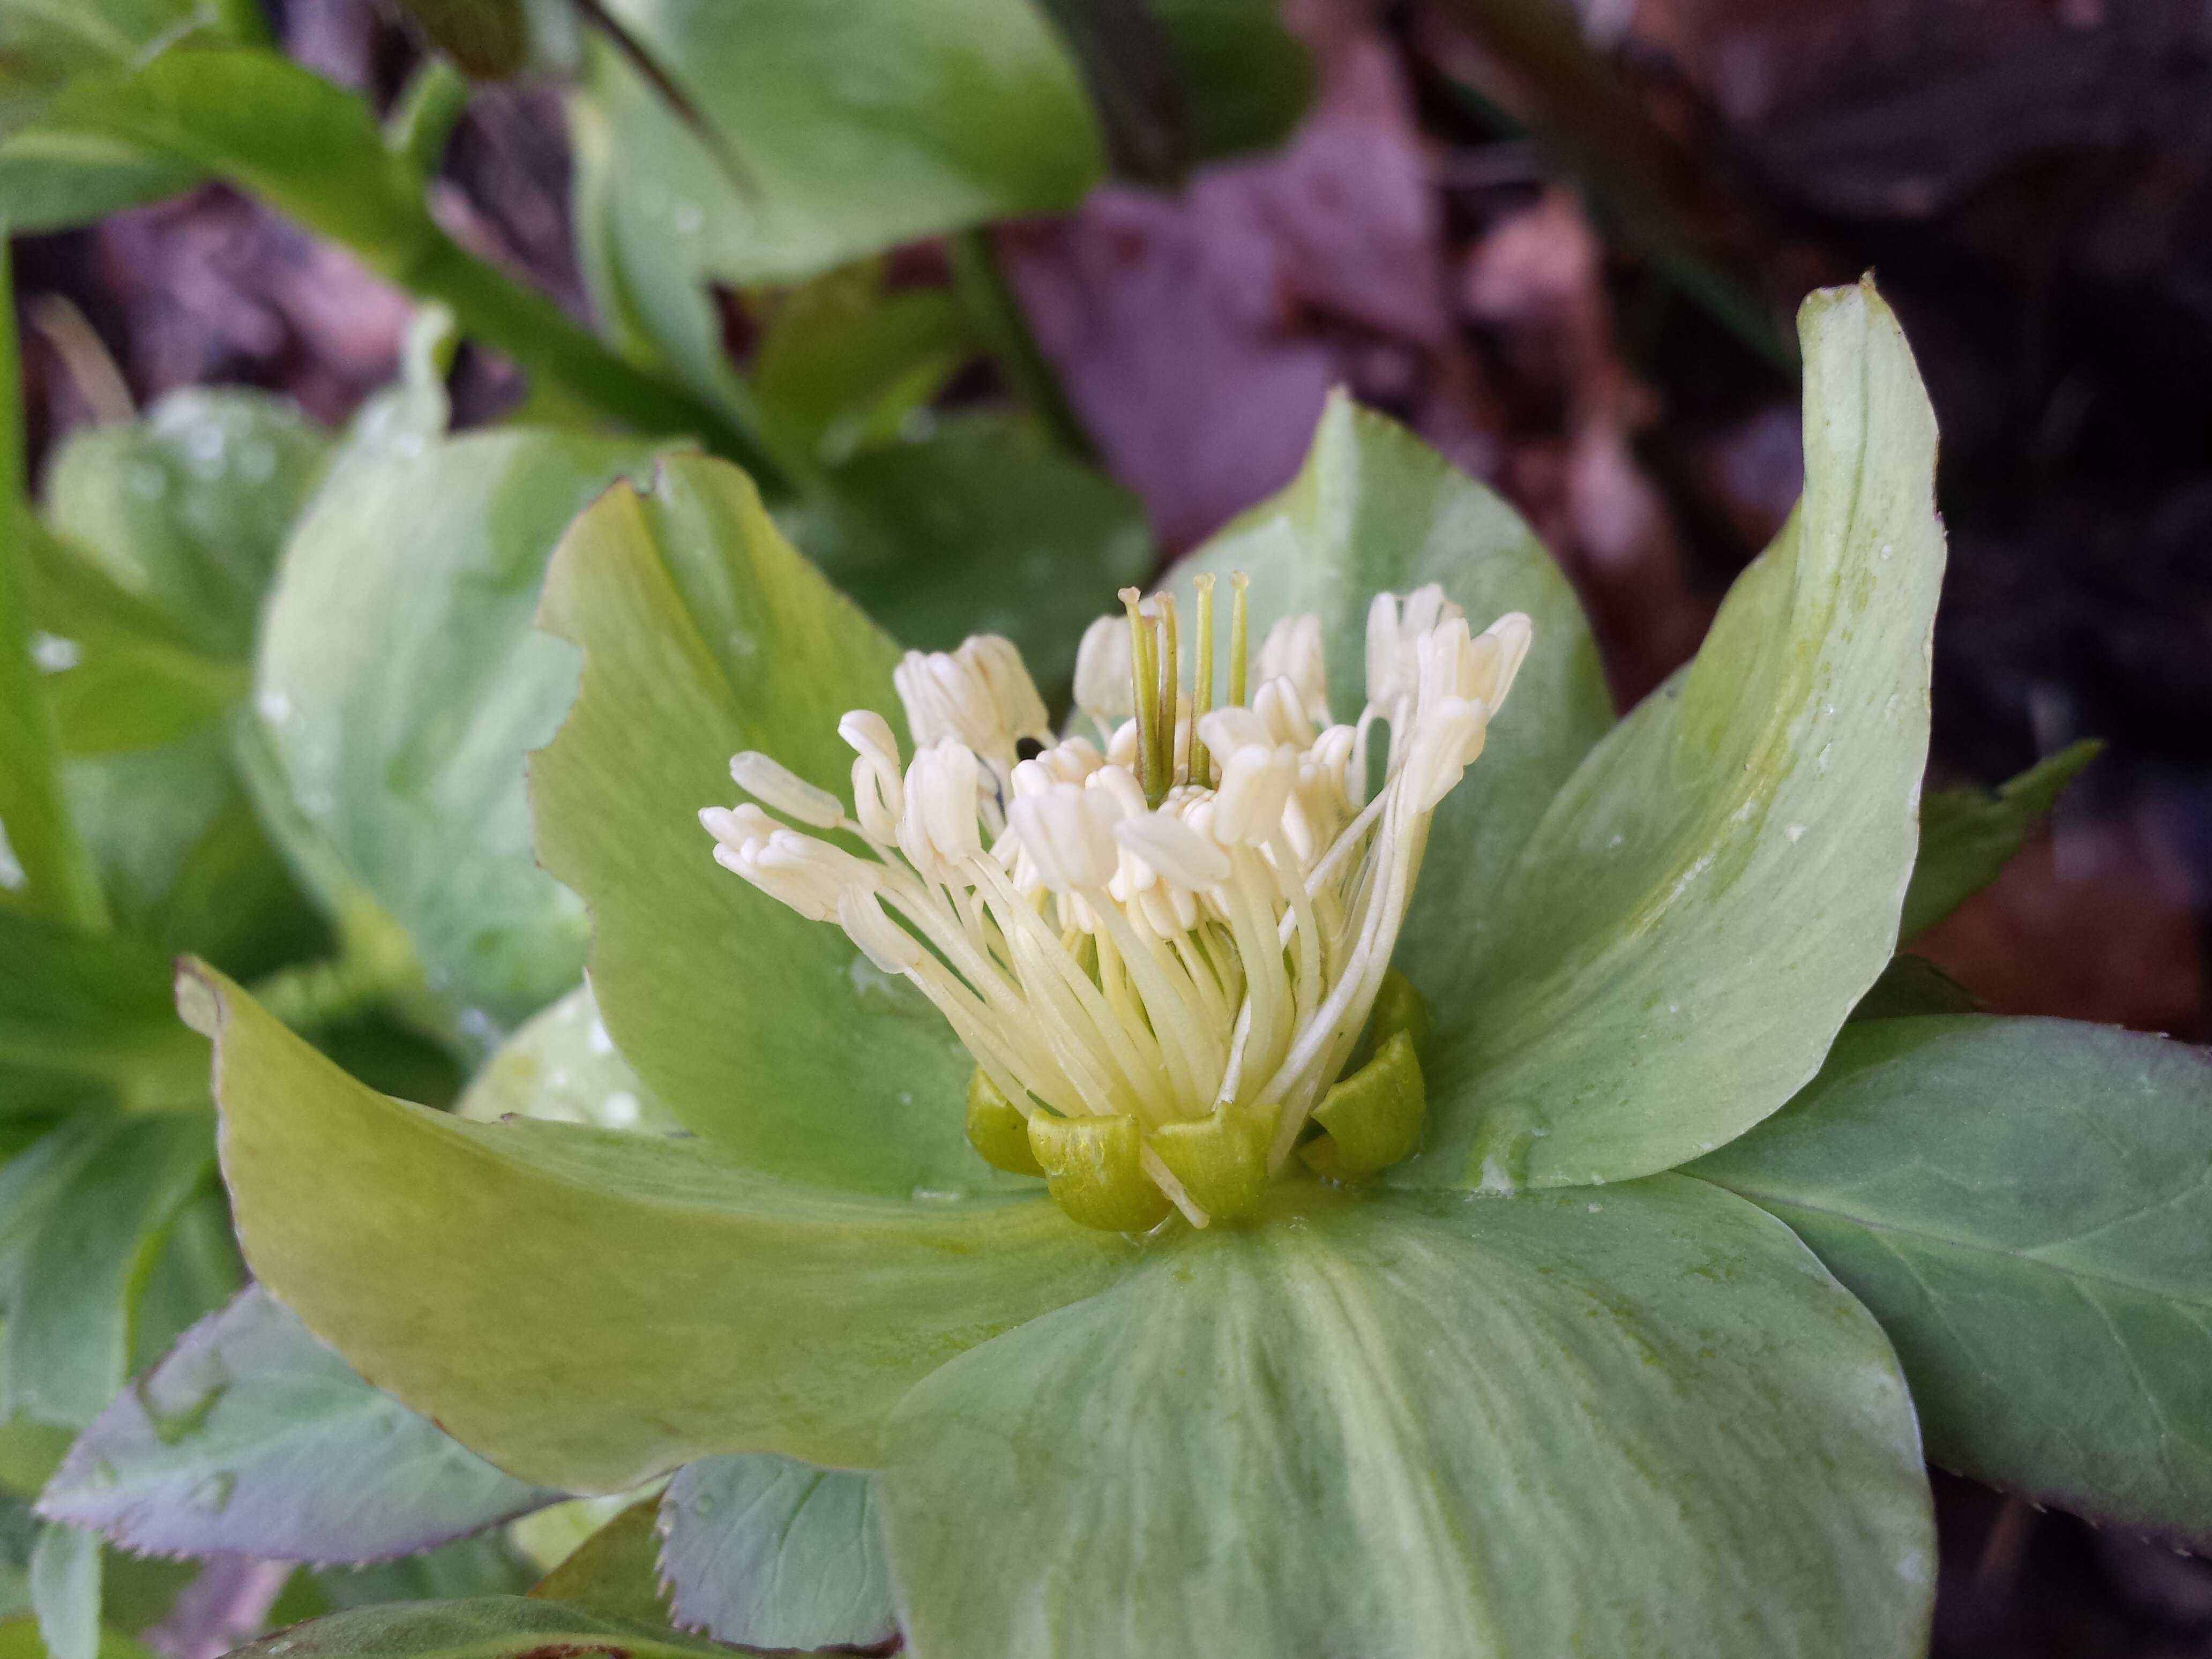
(1144, 686)
(1159, 775)
(1238, 583)
(1202, 764)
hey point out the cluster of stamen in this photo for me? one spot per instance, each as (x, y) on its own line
(1161, 947)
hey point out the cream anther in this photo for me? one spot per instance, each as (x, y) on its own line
(1255, 782)
(775, 785)
(1102, 673)
(1069, 833)
(1292, 652)
(980, 696)
(938, 830)
(1447, 737)
(1174, 849)
(1395, 629)
(1276, 705)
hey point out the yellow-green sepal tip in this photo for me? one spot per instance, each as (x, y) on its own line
(1221, 1160)
(997, 1129)
(1372, 1118)
(1092, 1167)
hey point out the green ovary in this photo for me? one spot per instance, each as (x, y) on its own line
(1096, 1168)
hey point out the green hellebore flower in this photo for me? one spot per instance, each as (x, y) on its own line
(1524, 1393)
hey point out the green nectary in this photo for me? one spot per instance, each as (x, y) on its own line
(1520, 1393)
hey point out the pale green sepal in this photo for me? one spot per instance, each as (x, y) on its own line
(630, 1301)
(1092, 1171)
(1912, 985)
(704, 634)
(1376, 510)
(1372, 1118)
(1720, 882)
(1427, 1426)
(2026, 1206)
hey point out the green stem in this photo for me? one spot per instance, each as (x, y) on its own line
(58, 871)
(430, 106)
(531, 330)
(996, 316)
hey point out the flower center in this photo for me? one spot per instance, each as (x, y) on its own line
(1161, 953)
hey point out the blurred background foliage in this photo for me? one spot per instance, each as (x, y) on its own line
(333, 311)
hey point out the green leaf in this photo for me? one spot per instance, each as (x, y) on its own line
(983, 527)
(273, 128)
(402, 682)
(44, 45)
(42, 864)
(1435, 1424)
(486, 1564)
(197, 1271)
(187, 509)
(1177, 81)
(95, 1007)
(776, 1318)
(315, 152)
(118, 673)
(830, 136)
(704, 634)
(31, 1183)
(1719, 882)
(19, 1639)
(564, 1069)
(184, 859)
(58, 179)
(1376, 510)
(2026, 1204)
(66, 1344)
(774, 1552)
(1967, 836)
(1913, 985)
(489, 39)
(1245, 79)
(843, 362)
(616, 1571)
(488, 1627)
(254, 1439)
(64, 1581)
(412, 413)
